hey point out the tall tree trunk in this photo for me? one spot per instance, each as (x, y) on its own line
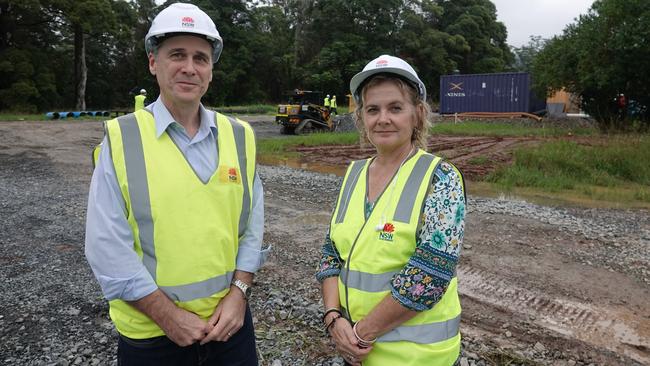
(80, 69)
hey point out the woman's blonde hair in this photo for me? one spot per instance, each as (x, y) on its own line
(422, 109)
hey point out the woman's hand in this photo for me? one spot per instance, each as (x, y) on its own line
(346, 342)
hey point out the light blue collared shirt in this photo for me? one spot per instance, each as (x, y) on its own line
(109, 240)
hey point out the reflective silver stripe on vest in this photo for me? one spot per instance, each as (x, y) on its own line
(353, 177)
(198, 290)
(136, 175)
(424, 333)
(368, 282)
(407, 199)
(240, 143)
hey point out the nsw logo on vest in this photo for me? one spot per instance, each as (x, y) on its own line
(232, 175)
(229, 174)
(386, 233)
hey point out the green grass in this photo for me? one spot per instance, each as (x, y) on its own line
(281, 147)
(22, 117)
(479, 160)
(616, 170)
(342, 110)
(470, 128)
(247, 109)
(4, 117)
(259, 109)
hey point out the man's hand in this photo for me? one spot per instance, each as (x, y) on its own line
(185, 328)
(181, 326)
(228, 317)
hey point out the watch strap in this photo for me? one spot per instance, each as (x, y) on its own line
(245, 289)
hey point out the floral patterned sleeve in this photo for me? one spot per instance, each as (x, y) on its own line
(330, 261)
(426, 276)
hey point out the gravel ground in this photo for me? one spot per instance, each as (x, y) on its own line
(52, 312)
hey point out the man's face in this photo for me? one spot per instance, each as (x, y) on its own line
(183, 68)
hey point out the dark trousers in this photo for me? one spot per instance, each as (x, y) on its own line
(239, 350)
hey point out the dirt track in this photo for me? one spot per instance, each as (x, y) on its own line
(556, 286)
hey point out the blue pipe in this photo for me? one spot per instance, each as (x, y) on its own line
(52, 115)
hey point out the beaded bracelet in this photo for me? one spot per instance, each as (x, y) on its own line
(362, 342)
(331, 323)
(331, 310)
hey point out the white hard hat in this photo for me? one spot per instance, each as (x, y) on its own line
(328, 95)
(391, 65)
(142, 91)
(184, 18)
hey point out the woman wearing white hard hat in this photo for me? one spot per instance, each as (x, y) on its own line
(387, 271)
(176, 213)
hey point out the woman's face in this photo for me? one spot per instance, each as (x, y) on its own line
(388, 117)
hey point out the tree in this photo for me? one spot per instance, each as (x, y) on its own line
(431, 51)
(601, 56)
(27, 83)
(476, 22)
(435, 36)
(525, 55)
(84, 18)
(270, 46)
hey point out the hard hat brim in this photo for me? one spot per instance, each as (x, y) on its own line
(159, 37)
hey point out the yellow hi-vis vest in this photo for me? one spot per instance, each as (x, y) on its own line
(326, 102)
(186, 231)
(373, 255)
(139, 102)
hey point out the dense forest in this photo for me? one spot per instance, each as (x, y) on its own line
(89, 54)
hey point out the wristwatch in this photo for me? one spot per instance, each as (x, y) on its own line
(243, 287)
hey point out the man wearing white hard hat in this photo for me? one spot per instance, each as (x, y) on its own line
(175, 211)
(387, 269)
(139, 100)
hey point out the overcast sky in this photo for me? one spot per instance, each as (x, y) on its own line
(546, 18)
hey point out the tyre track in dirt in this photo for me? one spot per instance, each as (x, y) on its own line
(614, 328)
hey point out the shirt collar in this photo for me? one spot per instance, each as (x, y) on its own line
(164, 119)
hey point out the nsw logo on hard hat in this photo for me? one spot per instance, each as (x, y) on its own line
(381, 63)
(187, 22)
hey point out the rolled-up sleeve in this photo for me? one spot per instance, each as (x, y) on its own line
(250, 255)
(330, 261)
(109, 240)
(425, 278)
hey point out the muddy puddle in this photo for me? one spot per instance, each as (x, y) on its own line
(338, 170)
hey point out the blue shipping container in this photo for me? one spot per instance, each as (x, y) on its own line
(502, 92)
